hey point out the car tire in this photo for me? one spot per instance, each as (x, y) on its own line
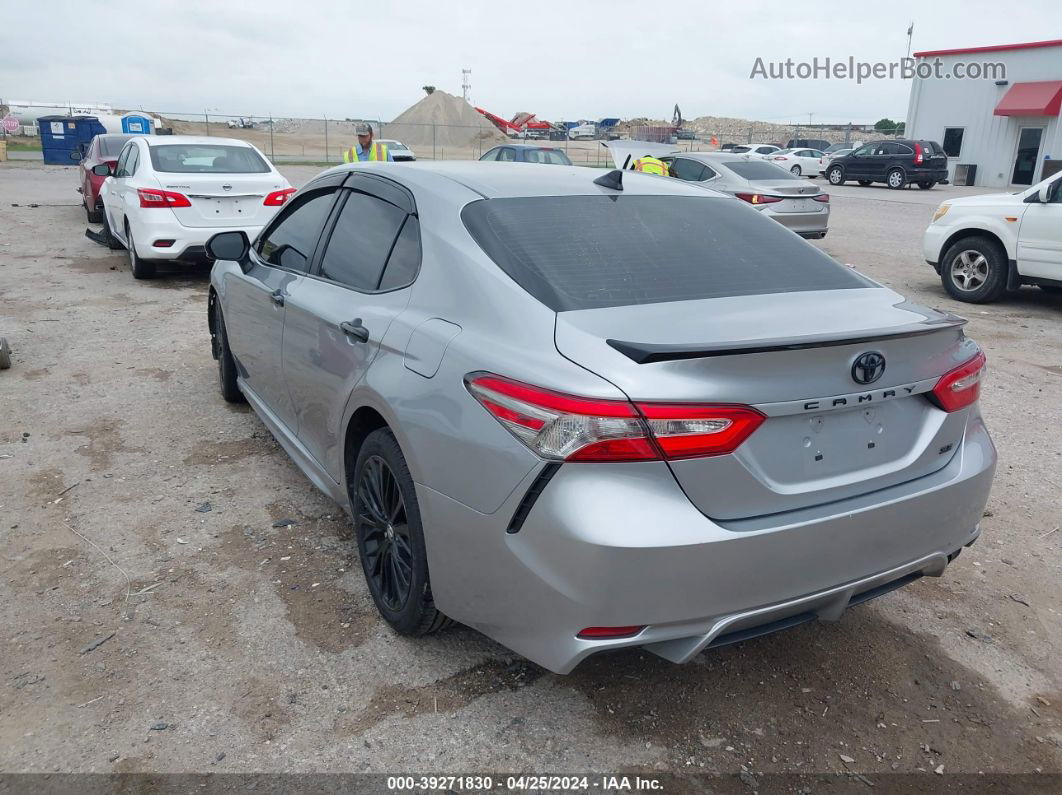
(5, 354)
(230, 388)
(863, 182)
(927, 184)
(974, 270)
(393, 554)
(141, 268)
(113, 243)
(92, 216)
(795, 171)
(835, 175)
(896, 179)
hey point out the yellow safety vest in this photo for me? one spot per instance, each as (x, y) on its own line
(651, 165)
(377, 152)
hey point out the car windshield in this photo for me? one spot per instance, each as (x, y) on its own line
(111, 145)
(207, 159)
(553, 157)
(758, 169)
(588, 252)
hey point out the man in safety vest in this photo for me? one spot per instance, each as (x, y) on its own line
(365, 149)
(651, 165)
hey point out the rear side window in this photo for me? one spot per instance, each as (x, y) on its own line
(207, 159)
(688, 170)
(291, 239)
(361, 242)
(587, 252)
(758, 169)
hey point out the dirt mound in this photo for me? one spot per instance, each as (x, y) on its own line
(444, 119)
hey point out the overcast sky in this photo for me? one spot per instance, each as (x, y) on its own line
(577, 59)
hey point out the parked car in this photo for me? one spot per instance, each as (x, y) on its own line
(755, 150)
(797, 204)
(167, 195)
(581, 412)
(801, 162)
(398, 150)
(807, 143)
(896, 163)
(583, 132)
(102, 150)
(526, 153)
(686, 135)
(982, 246)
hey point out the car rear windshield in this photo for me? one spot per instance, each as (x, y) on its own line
(207, 159)
(758, 169)
(588, 252)
(111, 145)
(553, 157)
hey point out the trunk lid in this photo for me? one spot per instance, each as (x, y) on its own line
(790, 355)
(223, 200)
(798, 194)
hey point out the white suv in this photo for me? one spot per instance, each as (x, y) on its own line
(167, 195)
(984, 245)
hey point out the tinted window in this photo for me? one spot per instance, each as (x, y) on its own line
(120, 171)
(506, 154)
(110, 145)
(491, 155)
(863, 151)
(207, 159)
(758, 169)
(290, 242)
(404, 262)
(361, 241)
(584, 252)
(689, 170)
(551, 156)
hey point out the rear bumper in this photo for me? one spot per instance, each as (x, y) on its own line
(621, 545)
(189, 243)
(812, 224)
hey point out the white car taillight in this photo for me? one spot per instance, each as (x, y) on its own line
(960, 387)
(567, 428)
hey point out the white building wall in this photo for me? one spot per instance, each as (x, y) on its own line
(989, 141)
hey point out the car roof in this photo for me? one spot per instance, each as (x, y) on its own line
(467, 180)
(526, 146)
(162, 140)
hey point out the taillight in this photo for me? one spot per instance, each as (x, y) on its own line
(822, 197)
(566, 428)
(278, 197)
(757, 198)
(918, 154)
(152, 197)
(684, 431)
(960, 387)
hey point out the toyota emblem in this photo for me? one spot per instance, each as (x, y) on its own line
(226, 187)
(868, 367)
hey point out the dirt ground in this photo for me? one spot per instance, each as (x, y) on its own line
(176, 597)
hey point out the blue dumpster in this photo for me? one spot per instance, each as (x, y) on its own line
(136, 124)
(64, 139)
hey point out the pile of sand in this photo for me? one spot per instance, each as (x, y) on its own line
(451, 120)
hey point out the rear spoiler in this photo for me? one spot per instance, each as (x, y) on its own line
(648, 352)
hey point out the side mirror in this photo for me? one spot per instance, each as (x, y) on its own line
(231, 246)
(102, 170)
(1042, 196)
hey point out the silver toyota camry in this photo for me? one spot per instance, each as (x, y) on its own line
(579, 411)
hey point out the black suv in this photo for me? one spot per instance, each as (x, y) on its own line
(896, 163)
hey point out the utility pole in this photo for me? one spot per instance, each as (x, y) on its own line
(910, 32)
(466, 84)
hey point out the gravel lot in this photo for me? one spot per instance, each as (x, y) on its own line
(176, 597)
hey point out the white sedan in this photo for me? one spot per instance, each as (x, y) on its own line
(800, 162)
(983, 246)
(755, 150)
(168, 195)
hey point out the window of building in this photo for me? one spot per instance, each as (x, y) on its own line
(953, 141)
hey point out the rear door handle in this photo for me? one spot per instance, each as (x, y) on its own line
(354, 329)
(277, 298)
